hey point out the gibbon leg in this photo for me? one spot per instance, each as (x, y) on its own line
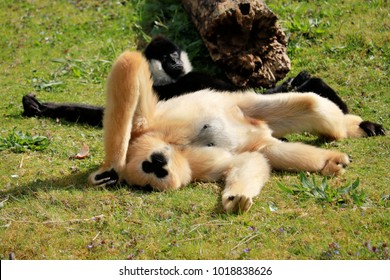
(129, 105)
(296, 112)
(79, 113)
(306, 112)
(302, 157)
(245, 177)
(244, 174)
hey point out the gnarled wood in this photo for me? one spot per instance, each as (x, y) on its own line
(244, 38)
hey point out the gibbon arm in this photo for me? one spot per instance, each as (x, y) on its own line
(245, 177)
(129, 106)
(71, 112)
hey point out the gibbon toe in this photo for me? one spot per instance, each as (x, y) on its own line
(372, 129)
(335, 164)
(236, 203)
(106, 178)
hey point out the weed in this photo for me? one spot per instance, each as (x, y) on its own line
(46, 85)
(18, 142)
(324, 193)
(88, 71)
(385, 201)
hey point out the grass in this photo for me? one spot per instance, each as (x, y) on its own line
(62, 51)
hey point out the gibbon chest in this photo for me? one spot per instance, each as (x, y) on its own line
(206, 119)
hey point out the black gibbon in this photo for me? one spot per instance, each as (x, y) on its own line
(172, 76)
(212, 135)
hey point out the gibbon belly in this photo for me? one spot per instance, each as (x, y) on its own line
(214, 120)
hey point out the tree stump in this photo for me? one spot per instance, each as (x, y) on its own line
(244, 38)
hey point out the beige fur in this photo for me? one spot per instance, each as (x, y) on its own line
(213, 136)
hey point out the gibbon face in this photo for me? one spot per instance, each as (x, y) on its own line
(167, 62)
(153, 162)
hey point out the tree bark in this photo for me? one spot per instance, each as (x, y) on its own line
(244, 38)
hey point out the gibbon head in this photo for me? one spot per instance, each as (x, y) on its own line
(167, 62)
(153, 162)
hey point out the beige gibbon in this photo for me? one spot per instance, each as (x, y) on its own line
(212, 136)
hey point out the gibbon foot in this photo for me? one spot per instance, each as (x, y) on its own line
(301, 78)
(238, 203)
(31, 105)
(106, 178)
(372, 129)
(335, 164)
(291, 83)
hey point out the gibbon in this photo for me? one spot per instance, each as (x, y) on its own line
(172, 76)
(213, 135)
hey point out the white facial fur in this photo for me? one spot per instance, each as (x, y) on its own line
(160, 77)
(186, 62)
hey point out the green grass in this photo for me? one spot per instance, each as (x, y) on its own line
(62, 51)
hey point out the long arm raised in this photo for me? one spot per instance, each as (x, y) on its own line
(129, 107)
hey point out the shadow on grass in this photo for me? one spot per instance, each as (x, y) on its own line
(75, 181)
(78, 181)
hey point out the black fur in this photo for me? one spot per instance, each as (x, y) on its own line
(372, 129)
(78, 113)
(192, 82)
(158, 161)
(110, 178)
